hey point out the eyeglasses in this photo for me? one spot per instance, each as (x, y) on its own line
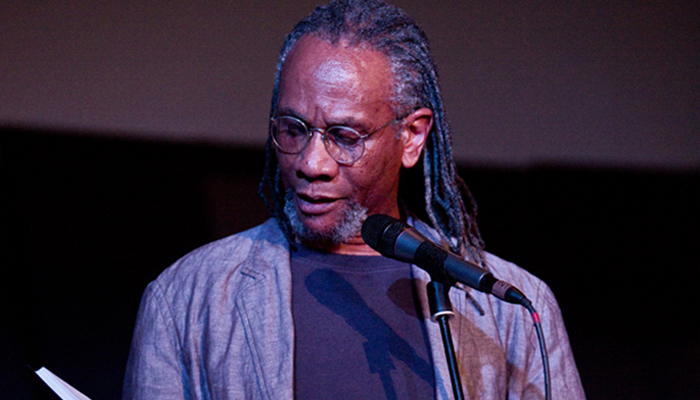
(344, 144)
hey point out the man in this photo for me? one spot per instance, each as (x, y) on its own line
(300, 307)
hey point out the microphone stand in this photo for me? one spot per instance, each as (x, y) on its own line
(441, 311)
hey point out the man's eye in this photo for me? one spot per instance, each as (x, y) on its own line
(345, 137)
(294, 130)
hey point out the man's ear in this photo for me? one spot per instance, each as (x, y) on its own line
(417, 128)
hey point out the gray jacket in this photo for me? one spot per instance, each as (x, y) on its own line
(218, 325)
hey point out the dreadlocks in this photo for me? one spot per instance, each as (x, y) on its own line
(387, 29)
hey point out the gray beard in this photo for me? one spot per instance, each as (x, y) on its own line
(345, 229)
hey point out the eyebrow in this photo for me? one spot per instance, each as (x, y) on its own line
(290, 112)
(348, 121)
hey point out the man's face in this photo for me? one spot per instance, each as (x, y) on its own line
(326, 85)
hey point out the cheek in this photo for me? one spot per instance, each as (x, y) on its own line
(378, 178)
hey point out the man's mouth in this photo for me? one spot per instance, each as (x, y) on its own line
(314, 204)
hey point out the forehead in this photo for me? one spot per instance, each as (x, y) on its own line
(316, 71)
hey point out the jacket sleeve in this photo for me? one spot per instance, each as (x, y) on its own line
(155, 367)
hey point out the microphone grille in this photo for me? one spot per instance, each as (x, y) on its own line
(380, 232)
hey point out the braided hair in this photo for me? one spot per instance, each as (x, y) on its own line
(381, 27)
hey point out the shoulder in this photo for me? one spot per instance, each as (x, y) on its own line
(218, 261)
(510, 272)
(532, 286)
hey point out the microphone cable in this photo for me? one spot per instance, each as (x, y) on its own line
(543, 348)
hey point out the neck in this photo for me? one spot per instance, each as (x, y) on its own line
(354, 247)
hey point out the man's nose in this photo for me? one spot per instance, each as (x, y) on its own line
(314, 160)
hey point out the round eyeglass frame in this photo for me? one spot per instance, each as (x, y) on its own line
(329, 143)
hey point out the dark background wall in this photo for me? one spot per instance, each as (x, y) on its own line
(86, 223)
(596, 82)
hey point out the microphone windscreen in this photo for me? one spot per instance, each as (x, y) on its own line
(380, 232)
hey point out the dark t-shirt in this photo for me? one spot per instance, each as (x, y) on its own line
(359, 329)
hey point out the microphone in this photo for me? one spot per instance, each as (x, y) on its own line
(394, 239)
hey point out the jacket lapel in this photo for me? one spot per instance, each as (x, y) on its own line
(266, 313)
